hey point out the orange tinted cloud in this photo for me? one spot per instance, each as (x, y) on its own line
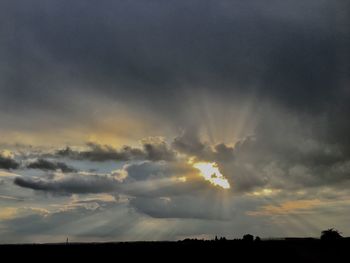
(289, 207)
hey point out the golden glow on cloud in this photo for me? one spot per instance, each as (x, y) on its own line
(211, 173)
(265, 192)
(96, 119)
(6, 153)
(288, 207)
(181, 179)
(7, 174)
(7, 213)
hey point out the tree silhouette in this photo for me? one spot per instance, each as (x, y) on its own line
(330, 234)
(248, 238)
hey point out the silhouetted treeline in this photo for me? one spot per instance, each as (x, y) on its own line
(287, 250)
(329, 248)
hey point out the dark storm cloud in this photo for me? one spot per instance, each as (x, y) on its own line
(155, 150)
(285, 52)
(70, 184)
(8, 163)
(99, 152)
(47, 165)
(189, 143)
(284, 153)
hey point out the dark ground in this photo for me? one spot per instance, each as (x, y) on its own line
(293, 250)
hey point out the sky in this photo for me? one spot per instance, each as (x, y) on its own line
(163, 120)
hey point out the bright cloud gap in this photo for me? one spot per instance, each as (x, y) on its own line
(211, 173)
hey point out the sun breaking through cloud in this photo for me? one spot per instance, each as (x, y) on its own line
(211, 173)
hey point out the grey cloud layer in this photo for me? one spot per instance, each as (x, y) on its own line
(70, 184)
(47, 165)
(8, 163)
(146, 179)
(183, 207)
(152, 53)
(279, 156)
(190, 144)
(153, 151)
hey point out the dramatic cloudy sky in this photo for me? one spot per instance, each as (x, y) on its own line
(160, 120)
